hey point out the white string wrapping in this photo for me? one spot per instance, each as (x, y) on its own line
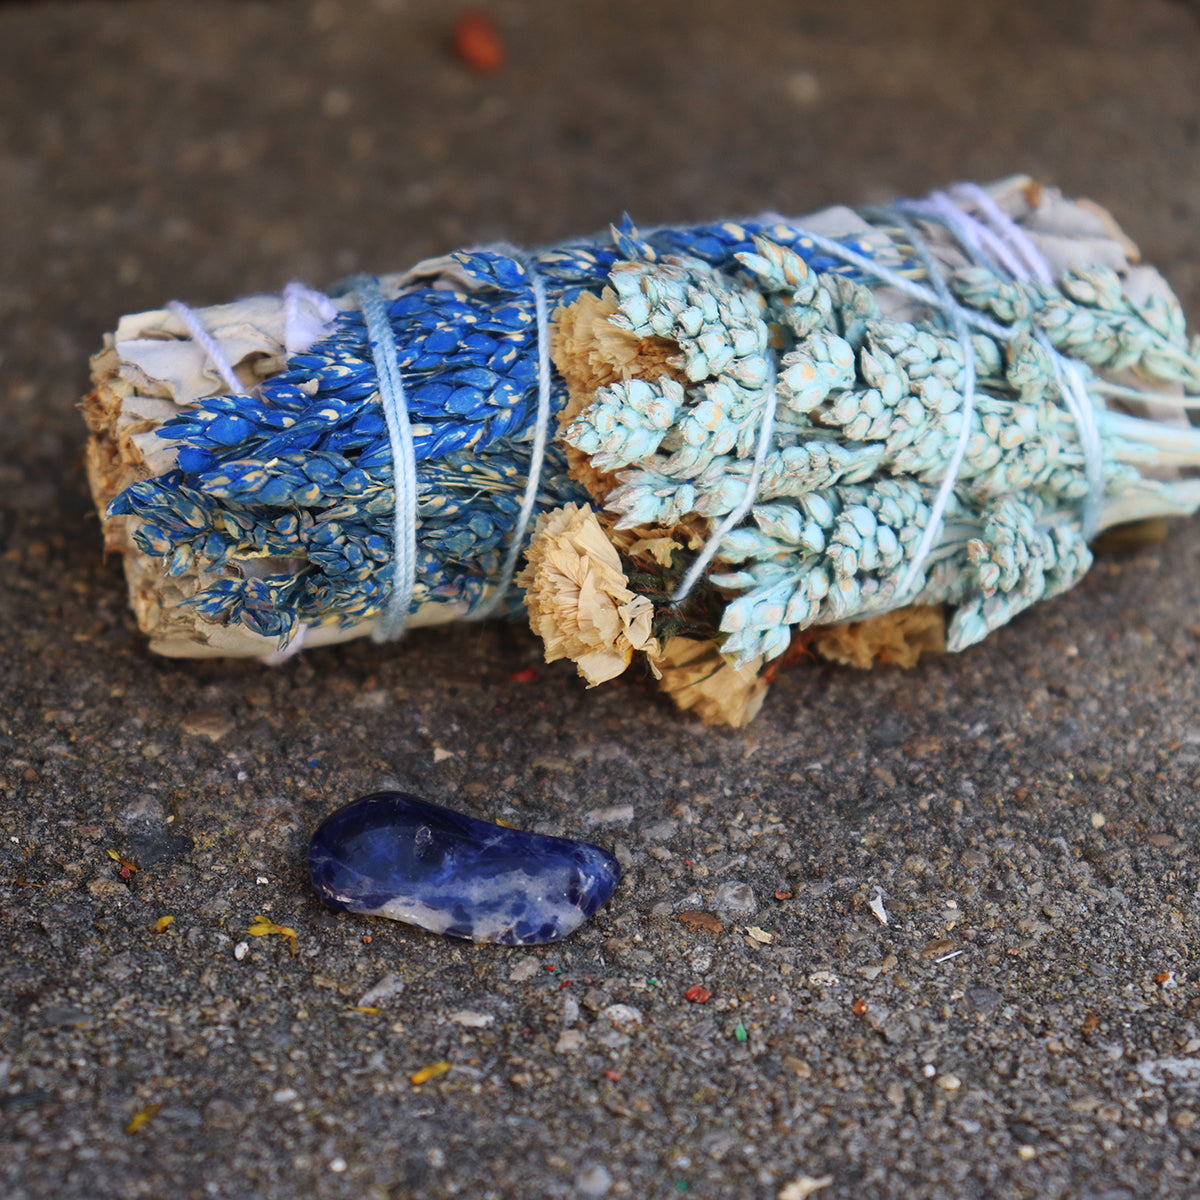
(394, 617)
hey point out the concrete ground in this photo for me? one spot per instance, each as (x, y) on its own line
(1025, 1025)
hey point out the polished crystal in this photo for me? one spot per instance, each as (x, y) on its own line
(395, 855)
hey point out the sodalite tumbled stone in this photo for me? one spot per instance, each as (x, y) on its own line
(394, 855)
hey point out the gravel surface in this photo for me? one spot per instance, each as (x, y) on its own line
(738, 1021)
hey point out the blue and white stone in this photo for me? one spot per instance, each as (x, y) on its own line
(394, 855)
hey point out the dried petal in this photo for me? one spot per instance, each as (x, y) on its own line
(696, 677)
(425, 1074)
(578, 596)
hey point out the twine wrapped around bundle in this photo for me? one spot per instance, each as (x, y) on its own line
(863, 434)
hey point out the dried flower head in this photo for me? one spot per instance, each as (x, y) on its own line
(578, 597)
(653, 543)
(590, 352)
(898, 637)
(697, 677)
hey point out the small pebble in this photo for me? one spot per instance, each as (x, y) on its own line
(108, 887)
(469, 1019)
(614, 814)
(213, 724)
(983, 999)
(593, 1180)
(734, 896)
(695, 919)
(388, 986)
(659, 831)
(569, 1041)
(524, 969)
(624, 1017)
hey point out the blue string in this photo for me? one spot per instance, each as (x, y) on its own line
(394, 616)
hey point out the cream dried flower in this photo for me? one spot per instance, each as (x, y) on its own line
(659, 543)
(697, 677)
(899, 637)
(578, 597)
